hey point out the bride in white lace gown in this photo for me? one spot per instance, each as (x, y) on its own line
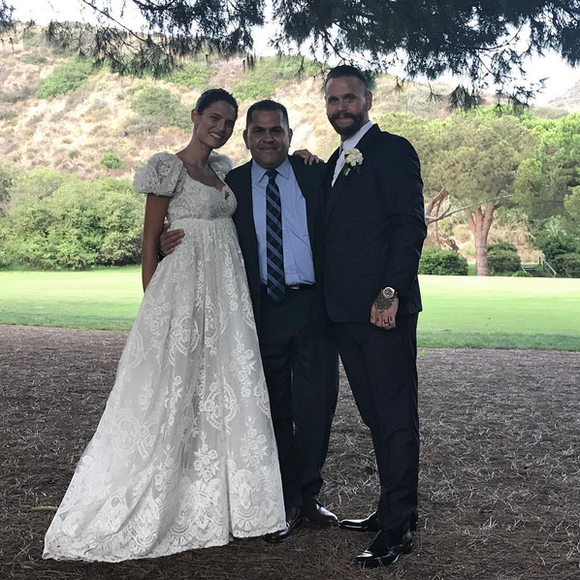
(184, 455)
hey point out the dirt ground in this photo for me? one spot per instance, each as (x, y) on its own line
(500, 469)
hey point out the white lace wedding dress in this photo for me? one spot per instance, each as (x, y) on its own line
(184, 455)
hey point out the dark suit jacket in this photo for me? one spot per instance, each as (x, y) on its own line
(310, 179)
(375, 227)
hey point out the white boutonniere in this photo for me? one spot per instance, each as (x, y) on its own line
(353, 159)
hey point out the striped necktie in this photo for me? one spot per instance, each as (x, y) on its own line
(274, 250)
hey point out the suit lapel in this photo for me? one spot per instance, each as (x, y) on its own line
(310, 193)
(334, 192)
(329, 193)
(244, 216)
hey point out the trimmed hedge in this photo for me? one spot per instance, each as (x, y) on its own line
(440, 262)
(503, 258)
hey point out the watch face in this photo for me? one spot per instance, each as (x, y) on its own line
(388, 292)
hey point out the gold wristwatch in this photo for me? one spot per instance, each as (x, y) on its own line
(389, 293)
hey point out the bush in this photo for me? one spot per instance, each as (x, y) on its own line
(36, 184)
(111, 160)
(502, 246)
(437, 261)
(151, 101)
(261, 81)
(80, 225)
(8, 115)
(568, 265)
(253, 89)
(503, 258)
(553, 245)
(35, 59)
(5, 258)
(64, 79)
(521, 274)
(17, 94)
(193, 75)
(137, 125)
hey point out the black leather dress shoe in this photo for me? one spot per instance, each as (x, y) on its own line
(386, 549)
(317, 514)
(293, 520)
(371, 524)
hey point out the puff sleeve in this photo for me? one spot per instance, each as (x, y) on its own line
(160, 175)
(221, 164)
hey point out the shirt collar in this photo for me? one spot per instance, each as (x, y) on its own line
(258, 171)
(353, 140)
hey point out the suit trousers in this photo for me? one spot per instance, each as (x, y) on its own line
(301, 368)
(381, 367)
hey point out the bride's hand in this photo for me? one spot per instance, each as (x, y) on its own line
(309, 158)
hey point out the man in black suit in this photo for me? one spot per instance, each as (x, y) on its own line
(374, 232)
(280, 228)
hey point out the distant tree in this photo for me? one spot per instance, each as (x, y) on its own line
(547, 179)
(481, 40)
(476, 166)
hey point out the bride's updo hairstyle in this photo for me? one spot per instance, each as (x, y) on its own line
(212, 96)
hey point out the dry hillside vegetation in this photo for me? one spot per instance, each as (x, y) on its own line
(71, 132)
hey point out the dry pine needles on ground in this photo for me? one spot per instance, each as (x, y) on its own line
(500, 472)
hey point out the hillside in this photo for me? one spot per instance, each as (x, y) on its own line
(570, 100)
(57, 112)
(72, 131)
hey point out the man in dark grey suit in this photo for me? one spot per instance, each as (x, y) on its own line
(280, 229)
(374, 232)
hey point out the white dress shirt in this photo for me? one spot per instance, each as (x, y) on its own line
(347, 144)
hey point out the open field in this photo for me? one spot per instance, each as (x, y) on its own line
(499, 480)
(459, 311)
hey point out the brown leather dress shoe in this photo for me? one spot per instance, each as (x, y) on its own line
(293, 520)
(317, 514)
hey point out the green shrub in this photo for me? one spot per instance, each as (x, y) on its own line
(36, 184)
(151, 101)
(7, 178)
(553, 245)
(8, 115)
(503, 258)
(73, 153)
(194, 75)
(502, 246)
(521, 274)
(268, 73)
(5, 261)
(35, 59)
(138, 125)
(111, 160)
(568, 265)
(17, 94)
(65, 78)
(80, 225)
(254, 89)
(437, 261)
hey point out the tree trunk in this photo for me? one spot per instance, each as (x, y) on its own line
(479, 223)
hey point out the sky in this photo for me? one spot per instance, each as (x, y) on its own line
(560, 76)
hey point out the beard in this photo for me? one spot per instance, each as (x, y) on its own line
(348, 131)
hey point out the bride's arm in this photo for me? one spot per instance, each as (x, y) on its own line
(155, 210)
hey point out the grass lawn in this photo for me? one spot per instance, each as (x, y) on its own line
(540, 313)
